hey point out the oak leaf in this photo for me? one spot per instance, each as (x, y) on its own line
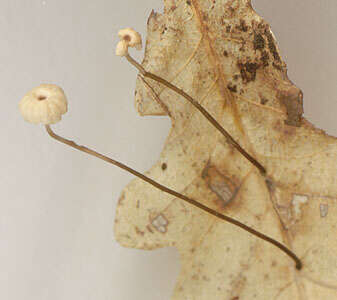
(225, 56)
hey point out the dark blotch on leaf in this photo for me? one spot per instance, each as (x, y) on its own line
(259, 42)
(248, 71)
(271, 45)
(242, 27)
(263, 101)
(265, 58)
(232, 88)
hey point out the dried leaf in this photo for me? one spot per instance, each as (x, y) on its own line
(224, 55)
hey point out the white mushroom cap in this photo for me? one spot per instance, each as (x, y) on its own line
(129, 38)
(44, 104)
(133, 38)
(122, 48)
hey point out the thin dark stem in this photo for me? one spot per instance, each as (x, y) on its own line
(178, 195)
(206, 114)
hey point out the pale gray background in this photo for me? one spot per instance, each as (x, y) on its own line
(57, 205)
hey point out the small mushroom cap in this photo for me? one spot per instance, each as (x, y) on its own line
(122, 48)
(132, 37)
(44, 104)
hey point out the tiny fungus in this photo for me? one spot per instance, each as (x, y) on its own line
(128, 38)
(44, 104)
(47, 103)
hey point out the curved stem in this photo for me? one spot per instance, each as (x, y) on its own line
(199, 107)
(178, 195)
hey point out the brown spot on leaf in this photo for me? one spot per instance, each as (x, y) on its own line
(265, 59)
(271, 45)
(292, 99)
(232, 88)
(259, 42)
(164, 166)
(248, 71)
(277, 67)
(243, 26)
(221, 185)
(251, 67)
(263, 100)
